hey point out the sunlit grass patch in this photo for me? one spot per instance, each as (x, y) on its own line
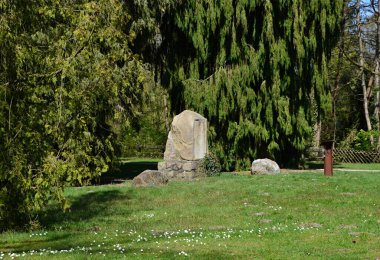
(230, 216)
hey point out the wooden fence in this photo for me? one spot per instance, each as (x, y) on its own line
(354, 156)
(344, 155)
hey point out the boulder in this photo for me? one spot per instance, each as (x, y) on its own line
(150, 178)
(187, 139)
(265, 166)
(185, 146)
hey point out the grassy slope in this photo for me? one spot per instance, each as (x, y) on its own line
(291, 216)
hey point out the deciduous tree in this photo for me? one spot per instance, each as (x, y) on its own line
(65, 66)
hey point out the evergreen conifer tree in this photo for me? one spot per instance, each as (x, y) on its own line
(253, 68)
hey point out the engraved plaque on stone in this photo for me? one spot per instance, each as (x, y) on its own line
(199, 139)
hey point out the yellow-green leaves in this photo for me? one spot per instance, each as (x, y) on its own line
(65, 66)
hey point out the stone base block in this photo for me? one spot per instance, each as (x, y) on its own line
(180, 169)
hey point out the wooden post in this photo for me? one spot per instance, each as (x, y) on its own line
(328, 164)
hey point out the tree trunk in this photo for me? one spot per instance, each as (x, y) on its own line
(166, 111)
(361, 62)
(336, 86)
(317, 133)
(377, 70)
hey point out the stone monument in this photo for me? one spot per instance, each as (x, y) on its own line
(186, 145)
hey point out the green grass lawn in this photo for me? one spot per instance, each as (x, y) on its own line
(128, 168)
(359, 166)
(289, 216)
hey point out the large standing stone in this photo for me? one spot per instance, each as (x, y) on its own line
(187, 139)
(150, 178)
(264, 166)
(186, 145)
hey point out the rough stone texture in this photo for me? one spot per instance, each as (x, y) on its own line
(187, 139)
(186, 145)
(264, 166)
(180, 169)
(150, 178)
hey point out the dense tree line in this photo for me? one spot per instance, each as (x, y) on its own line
(73, 72)
(354, 79)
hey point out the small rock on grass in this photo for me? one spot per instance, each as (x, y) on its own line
(217, 228)
(311, 225)
(347, 226)
(150, 178)
(355, 234)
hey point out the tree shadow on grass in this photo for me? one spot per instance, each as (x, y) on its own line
(315, 165)
(88, 213)
(86, 207)
(33, 243)
(125, 171)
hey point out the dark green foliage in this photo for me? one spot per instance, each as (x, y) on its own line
(253, 69)
(65, 66)
(210, 165)
(150, 127)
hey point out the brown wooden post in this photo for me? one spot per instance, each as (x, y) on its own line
(328, 164)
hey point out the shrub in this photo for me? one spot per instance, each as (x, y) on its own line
(363, 140)
(210, 165)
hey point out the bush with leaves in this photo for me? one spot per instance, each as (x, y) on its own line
(209, 165)
(363, 140)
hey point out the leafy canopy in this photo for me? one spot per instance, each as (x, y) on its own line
(66, 69)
